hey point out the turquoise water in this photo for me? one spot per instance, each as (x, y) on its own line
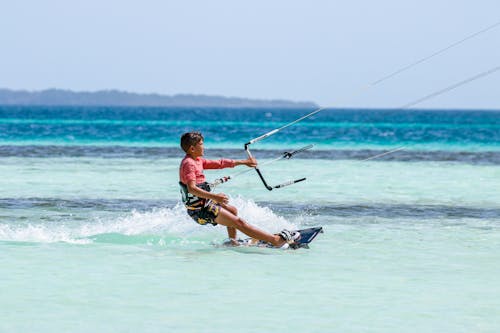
(93, 239)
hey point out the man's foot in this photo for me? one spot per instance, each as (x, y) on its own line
(234, 242)
(230, 242)
(289, 237)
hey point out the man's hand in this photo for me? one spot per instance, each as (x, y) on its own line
(220, 198)
(250, 162)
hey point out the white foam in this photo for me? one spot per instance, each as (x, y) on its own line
(39, 234)
(158, 222)
(262, 217)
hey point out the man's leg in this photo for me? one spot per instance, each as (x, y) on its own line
(228, 219)
(231, 231)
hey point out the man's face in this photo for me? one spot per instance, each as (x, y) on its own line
(198, 149)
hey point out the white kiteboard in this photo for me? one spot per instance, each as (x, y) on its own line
(306, 237)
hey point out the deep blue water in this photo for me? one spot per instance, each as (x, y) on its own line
(466, 130)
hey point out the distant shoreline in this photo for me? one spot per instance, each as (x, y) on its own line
(60, 97)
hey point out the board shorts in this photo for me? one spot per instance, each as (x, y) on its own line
(205, 213)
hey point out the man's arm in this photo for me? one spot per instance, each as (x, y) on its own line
(250, 162)
(227, 163)
(217, 197)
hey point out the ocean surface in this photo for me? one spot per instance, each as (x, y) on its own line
(93, 237)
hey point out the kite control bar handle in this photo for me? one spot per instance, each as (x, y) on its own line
(286, 155)
(270, 188)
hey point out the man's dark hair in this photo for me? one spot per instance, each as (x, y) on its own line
(190, 139)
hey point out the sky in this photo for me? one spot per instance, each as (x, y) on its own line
(327, 52)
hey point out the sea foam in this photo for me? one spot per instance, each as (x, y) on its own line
(157, 226)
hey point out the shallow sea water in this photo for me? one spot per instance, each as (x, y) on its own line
(100, 243)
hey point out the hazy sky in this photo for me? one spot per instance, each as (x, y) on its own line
(321, 51)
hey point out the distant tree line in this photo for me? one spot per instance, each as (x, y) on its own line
(55, 97)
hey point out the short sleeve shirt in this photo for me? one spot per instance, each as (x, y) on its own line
(192, 169)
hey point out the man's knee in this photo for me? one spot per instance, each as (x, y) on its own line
(239, 223)
(231, 209)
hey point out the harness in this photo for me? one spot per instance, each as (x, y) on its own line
(190, 199)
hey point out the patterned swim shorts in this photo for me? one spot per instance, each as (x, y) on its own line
(204, 214)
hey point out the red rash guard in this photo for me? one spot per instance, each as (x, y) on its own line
(191, 169)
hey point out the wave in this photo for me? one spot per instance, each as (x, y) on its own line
(159, 226)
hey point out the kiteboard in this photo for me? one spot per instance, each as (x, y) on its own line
(306, 237)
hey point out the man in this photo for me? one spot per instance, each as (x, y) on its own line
(206, 207)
